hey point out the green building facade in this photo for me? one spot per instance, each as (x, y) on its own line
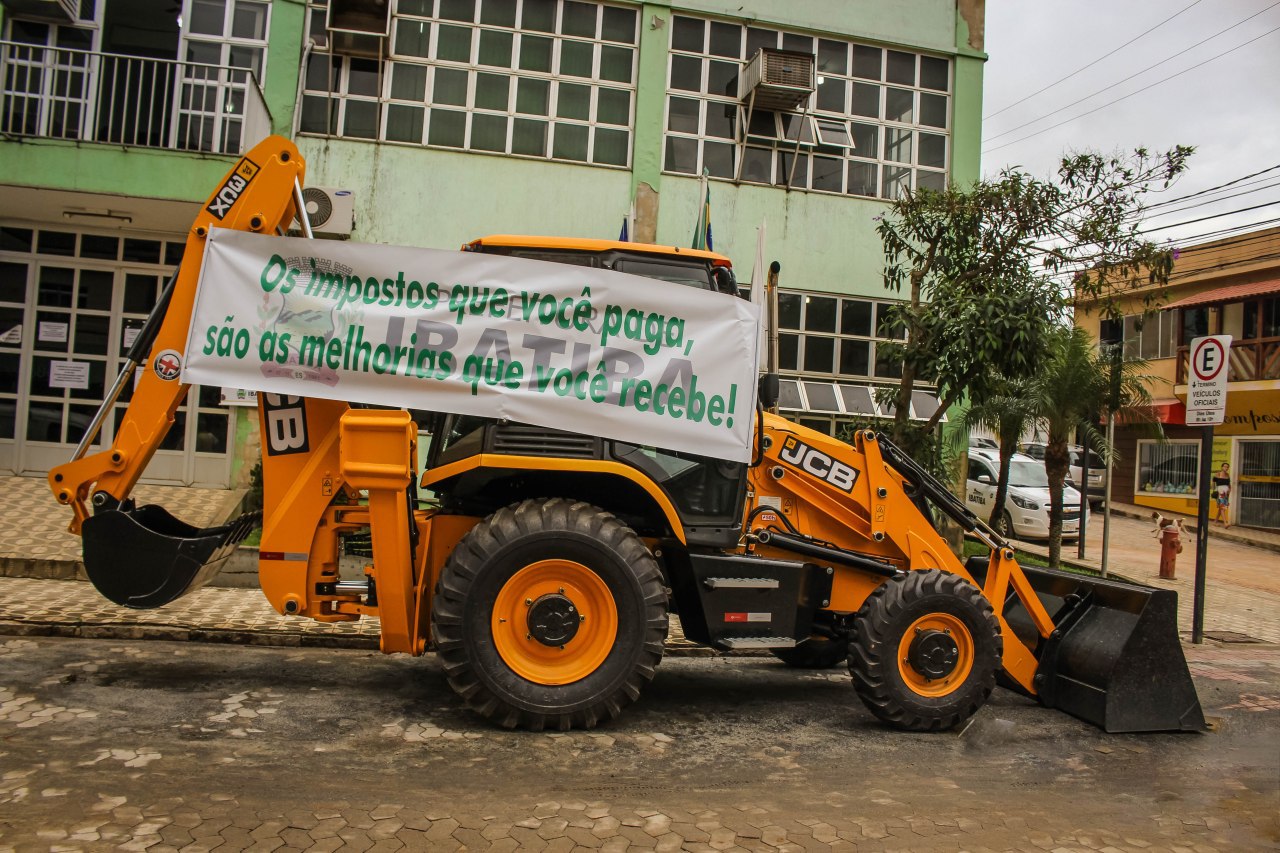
(432, 122)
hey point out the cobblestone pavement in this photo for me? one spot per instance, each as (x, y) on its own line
(178, 746)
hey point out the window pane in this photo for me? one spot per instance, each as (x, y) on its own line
(720, 120)
(833, 57)
(757, 165)
(819, 354)
(831, 95)
(793, 170)
(499, 13)
(424, 8)
(409, 82)
(15, 239)
(579, 19)
(319, 115)
(855, 317)
(613, 107)
(91, 334)
(529, 137)
(94, 246)
(535, 53)
(95, 290)
(249, 20)
(207, 17)
(539, 15)
(404, 123)
(611, 147)
(453, 44)
(447, 128)
(802, 44)
(933, 110)
(722, 78)
(788, 352)
(933, 150)
(682, 115)
(458, 10)
(682, 155)
(56, 243)
(211, 432)
(936, 181)
(55, 288)
(866, 140)
(533, 96)
(820, 314)
(488, 133)
(828, 173)
(362, 77)
(686, 73)
(492, 91)
(789, 310)
(887, 368)
(570, 142)
(758, 38)
(717, 158)
(897, 181)
(361, 120)
(866, 100)
(576, 58)
(688, 34)
(574, 101)
(867, 61)
(615, 63)
(898, 105)
(726, 40)
(323, 70)
(935, 73)
(897, 145)
(450, 87)
(495, 48)
(13, 284)
(855, 358)
(902, 68)
(619, 25)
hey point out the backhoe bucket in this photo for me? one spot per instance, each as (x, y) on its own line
(145, 557)
(1114, 658)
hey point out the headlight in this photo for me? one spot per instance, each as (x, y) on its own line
(1024, 503)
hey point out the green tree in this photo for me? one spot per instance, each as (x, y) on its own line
(1074, 385)
(989, 270)
(1008, 413)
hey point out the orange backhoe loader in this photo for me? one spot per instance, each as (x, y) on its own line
(544, 564)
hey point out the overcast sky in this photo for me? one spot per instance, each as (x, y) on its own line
(1228, 108)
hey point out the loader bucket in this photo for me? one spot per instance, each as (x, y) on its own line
(1114, 658)
(145, 557)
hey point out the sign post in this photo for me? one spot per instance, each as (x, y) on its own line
(1206, 406)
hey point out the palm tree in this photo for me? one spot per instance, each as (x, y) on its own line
(1007, 413)
(1071, 388)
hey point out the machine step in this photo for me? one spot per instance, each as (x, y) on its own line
(741, 583)
(758, 642)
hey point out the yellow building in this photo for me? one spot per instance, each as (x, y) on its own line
(1230, 286)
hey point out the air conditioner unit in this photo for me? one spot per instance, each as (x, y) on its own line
(49, 11)
(779, 79)
(332, 211)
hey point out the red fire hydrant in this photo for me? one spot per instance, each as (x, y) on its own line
(1170, 548)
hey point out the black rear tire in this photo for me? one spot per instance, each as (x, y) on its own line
(481, 656)
(918, 605)
(815, 653)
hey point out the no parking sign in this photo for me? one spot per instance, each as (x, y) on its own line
(1207, 382)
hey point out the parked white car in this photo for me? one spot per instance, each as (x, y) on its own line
(1097, 469)
(1026, 509)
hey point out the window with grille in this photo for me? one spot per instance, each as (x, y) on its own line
(1151, 335)
(1169, 468)
(878, 122)
(553, 79)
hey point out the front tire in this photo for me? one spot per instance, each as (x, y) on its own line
(925, 651)
(550, 614)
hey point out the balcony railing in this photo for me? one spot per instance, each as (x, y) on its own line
(56, 93)
(1250, 360)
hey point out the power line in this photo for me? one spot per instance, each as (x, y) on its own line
(1210, 216)
(1209, 201)
(1180, 53)
(1131, 94)
(1215, 189)
(1217, 244)
(1090, 64)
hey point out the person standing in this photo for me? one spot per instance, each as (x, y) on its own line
(1222, 494)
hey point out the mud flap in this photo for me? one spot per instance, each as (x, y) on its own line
(144, 557)
(1114, 658)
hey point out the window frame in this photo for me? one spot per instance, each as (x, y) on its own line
(1144, 445)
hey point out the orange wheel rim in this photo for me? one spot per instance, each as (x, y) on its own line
(554, 622)
(938, 638)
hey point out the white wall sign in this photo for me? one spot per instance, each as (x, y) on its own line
(1207, 380)
(69, 374)
(239, 397)
(131, 335)
(52, 333)
(566, 347)
(13, 336)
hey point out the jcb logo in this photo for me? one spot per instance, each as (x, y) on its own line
(231, 189)
(813, 461)
(285, 424)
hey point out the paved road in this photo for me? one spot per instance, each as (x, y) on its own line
(183, 746)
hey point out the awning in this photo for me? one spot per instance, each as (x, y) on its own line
(1230, 293)
(1169, 411)
(805, 396)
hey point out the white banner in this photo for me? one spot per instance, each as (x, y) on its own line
(574, 348)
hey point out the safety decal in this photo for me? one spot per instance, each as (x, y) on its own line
(813, 461)
(748, 617)
(168, 365)
(236, 183)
